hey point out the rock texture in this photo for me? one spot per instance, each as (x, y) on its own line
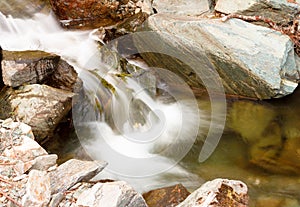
(181, 7)
(19, 67)
(113, 194)
(40, 106)
(94, 13)
(37, 189)
(252, 61)
(168, 196)
(72, 172)
(277, 10)
(37, 67)
(29, 176)
(218, 193)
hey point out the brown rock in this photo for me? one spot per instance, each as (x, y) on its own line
(27, 67)
(92, 13)
(168, 196)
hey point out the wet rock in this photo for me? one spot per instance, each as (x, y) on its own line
(72, 172)
(181, 7)
(168, 196)
(37, 189)
(277, 10)
(94, 13)
(40, 106)
(44, 162)
(113, 194)
(27, 67)
(274, 144)
(217, 193)
(252, 61)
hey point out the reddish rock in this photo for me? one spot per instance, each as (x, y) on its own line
(169, 196)
(93, 13)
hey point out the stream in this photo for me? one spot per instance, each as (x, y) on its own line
(153, 142)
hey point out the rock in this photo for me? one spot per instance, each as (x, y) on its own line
(72, 172)
(113, 194)
(168, 196)
(56, 199)
(217, 193)
(44, 162)
(252, 61)
(31, 67)
(37, 189)
(277, 10)
(94, 13)
(28, 150)
(274, 144)
(17, 148)
(40, 106)
(181, 7)
(27, 67)
(65, 77)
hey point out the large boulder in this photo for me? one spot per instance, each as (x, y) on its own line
(252, 61)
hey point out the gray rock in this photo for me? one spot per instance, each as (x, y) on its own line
(44, 162)
(40, 106)
(56, 199)
(72, 172)
(252, 61)
(182, 7)
(112, 194)
(218, 192)
(277, 10)
(37, 189)
(27, 67)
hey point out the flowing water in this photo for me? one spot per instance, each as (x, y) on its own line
(260, 145)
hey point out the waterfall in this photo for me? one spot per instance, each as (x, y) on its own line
(145, 146)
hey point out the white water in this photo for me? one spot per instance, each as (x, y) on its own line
(140, 153)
